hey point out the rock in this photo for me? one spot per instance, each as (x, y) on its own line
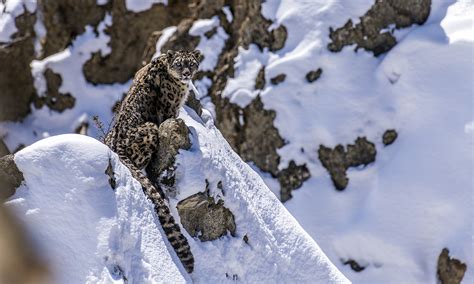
(450, 270)
(66, 19)
(370, 32)
(53, 98)
(10, 177)
(278, 79)
(128, 35)
(260, 80)
(354, 265)
(292, 178)
(338, 160)
(173, 135)
(3, 149)
(16, 81)
(109, 171)
(314, 75)
(194, 103)
(202, 217)
(389, 137)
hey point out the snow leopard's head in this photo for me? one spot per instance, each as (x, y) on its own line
(182, 65)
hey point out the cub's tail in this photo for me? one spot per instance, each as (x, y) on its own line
(172, 230)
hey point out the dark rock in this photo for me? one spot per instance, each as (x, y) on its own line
(292, 178)
(338, 160)
(10, 177)
(173, 135)
(82, 128)
(16, 81)
(450, 270)
(3, 149)
(354, 265)
(202, 217)
(389, 137)
(194, 103)
(278, 79)
(368, 33)
(66, 19)
(110, 173)
(53, 98)
(128, 35)
(314, 75)
(279, 36)
(210, 33)
(260, 80)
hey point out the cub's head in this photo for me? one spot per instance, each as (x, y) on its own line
(182, 65)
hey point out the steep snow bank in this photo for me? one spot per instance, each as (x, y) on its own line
(87, 231)
(91, 233)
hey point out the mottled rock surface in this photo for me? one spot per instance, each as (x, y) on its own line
(389, 137)
(53, 98)
(205, 218)
(314, 75)
(16, 81)
(173, 134)
(450, 270)
(292, 178)
(10, 177)
(338, 160)
(371, 32)
(278, 79)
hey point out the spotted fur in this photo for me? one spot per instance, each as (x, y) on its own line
(158, 91)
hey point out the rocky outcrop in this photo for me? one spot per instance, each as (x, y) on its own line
(292, 178)
(10, 177)
(204, 218)
(16, 81)
(129, 33)
(53, 98)
(338, 160)
(3, 149)
(373, 32)
(450, 270)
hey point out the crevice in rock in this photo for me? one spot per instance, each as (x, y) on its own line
(338, 160)
(375, 30)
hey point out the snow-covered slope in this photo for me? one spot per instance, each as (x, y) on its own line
(91, 233)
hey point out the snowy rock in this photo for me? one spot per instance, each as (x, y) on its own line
(10, 177)
(292, 178)
(450, 270)
(54, 99)
(373, 32)
(205, 218)
(338, 160)
(278, 79)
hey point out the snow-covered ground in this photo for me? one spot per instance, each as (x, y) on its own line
(396, 214)
(91, 233)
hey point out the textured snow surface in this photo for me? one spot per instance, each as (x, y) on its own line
(91, 233)
(87, 231)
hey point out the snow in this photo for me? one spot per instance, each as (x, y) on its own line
(166, 34)
(210, 47)
(88, 232)
(142, 5)
(91, 233)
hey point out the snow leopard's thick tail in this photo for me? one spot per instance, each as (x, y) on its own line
(172, 230)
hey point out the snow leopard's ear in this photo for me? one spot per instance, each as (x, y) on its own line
(198, 55)
(170, 54)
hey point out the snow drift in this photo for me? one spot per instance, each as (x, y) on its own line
(92, 233)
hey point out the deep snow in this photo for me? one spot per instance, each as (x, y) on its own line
(91, 233)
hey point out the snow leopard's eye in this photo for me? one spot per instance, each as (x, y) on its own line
(178, 64)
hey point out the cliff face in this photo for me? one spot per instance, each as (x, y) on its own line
(338, 106)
